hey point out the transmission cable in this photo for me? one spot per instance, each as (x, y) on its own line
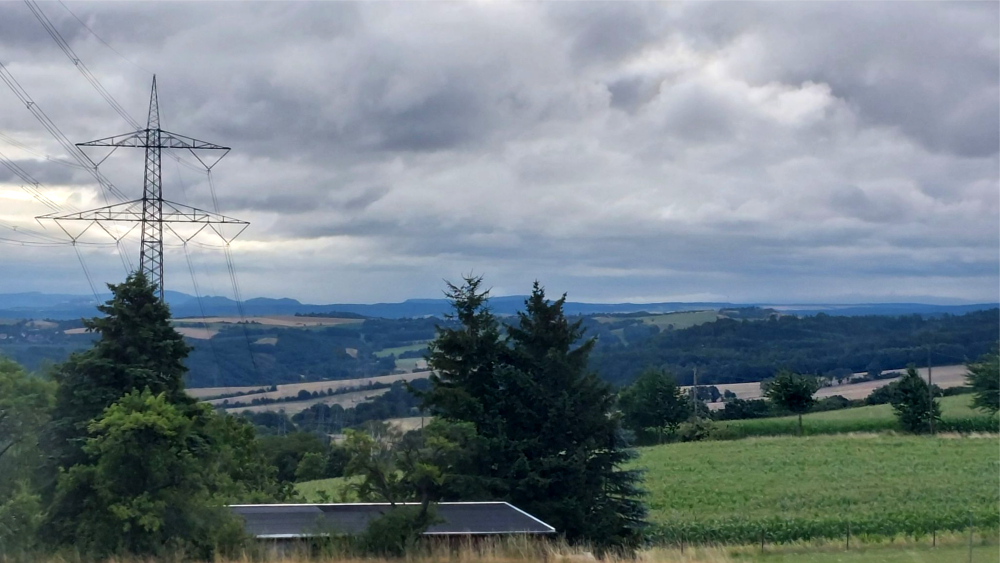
(106, 44)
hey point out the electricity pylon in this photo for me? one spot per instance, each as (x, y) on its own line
(152, 211)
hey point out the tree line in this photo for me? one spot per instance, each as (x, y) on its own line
(109, 455)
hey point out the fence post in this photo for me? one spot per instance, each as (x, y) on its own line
(762, 540)
(848, 532)
(934, 537)
(970, 536)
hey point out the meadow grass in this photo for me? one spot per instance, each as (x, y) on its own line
(336, 489)
(397, 350)
(812, 487)
(523, 550)
(957, 415)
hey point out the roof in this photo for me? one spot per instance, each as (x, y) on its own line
(285, 521)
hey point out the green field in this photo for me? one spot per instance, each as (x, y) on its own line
(957, 415)
(806, 488)
(336, 489)
(400, 349)
(680, 320)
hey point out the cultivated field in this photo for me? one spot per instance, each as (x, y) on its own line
(943, 376)
(679, 320)
(292, 389)
(272, 320)
(811, 487)
(198, 332)
(346, 400)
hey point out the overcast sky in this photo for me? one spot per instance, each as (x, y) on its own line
(773, 152)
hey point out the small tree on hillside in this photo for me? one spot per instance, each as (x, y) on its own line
(913, 404)
(654, 405)
(792, 392)
(984, 378)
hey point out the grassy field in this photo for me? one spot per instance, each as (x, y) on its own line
(808, 488)
(400, 349)
(804, 488)
(956, 416)
(680, 319)
(336, 489)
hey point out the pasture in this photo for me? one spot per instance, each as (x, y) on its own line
(811, 487)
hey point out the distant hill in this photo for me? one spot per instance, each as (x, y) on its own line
(63, 306)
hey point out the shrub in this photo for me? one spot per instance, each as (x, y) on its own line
(396, 532)
(697, 430)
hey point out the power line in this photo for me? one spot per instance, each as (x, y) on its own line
(106, 44)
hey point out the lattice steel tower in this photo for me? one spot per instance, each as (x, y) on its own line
(152, 211)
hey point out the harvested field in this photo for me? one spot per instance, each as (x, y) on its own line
(267, 341)
(292, 389)
(410, 422)
(943, 376)
(80, 330)
(197, 332)
(274, 320)
(346, 400)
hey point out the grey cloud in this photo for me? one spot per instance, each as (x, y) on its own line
(613, 150)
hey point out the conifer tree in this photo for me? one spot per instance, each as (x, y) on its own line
(547, 439)
(138, 349)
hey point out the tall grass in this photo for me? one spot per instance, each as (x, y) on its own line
(950, 548)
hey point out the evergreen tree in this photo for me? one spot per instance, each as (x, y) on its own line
(984, 378)
(547, 439)
(913, 403)
(138, 349)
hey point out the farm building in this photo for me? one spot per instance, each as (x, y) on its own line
(295, 521)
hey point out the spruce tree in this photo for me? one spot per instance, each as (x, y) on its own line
(913, 404)
(546, 437)
(138, 349)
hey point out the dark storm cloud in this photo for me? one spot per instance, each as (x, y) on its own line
(793, 151)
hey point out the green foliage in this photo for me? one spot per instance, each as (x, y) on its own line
(25, 406)
(545, 437)
(808, 488)
(697, 430)
(312, 466)
(984, 378)
(396, 532)
(137, 349)
(654, 406)
(913, 403)
(286, 452)
(734, 351)
(792, 392)
(21, 516)
(419, 466)
(337, 458)
(957, 416)
(151, 483)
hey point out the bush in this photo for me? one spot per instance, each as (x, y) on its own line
(396, 532)
(697, 430)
